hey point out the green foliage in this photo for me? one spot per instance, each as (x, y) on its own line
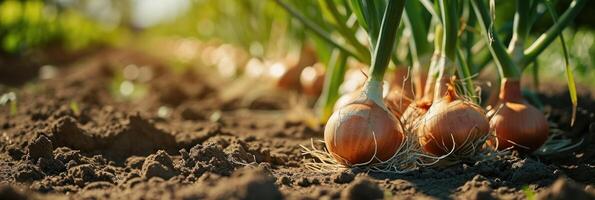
(26, 25)
(9, 99)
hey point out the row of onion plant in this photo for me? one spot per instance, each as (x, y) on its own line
(434, 110)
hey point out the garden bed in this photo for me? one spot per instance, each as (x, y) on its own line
(71, 137)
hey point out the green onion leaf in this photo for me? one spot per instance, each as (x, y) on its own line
(567, 67)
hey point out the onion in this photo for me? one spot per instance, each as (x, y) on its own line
(289, 77)
(346, 99)
(349, 97)
(397, 101)
(451, 124)
(363, 131)
(312, 80)
(414, 112)
(517, 124)
(400, 95)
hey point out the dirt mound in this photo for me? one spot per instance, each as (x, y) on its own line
(247, 184)
(121, 140)
(362, 188)
(566, 189)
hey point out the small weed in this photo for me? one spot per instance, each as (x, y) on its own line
(9, 98)
(529, 192)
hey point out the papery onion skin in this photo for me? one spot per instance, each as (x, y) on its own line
(290, 78)
(397, 102)
(313, 83)
(414, 112)
(401, 93)
(451, 119)
(517, 124)
(346, 99)
(355, 131)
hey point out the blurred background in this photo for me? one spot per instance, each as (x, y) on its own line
(233, 37)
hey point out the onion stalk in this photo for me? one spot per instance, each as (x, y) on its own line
(517, 124)
(452, 125)
(365, 131)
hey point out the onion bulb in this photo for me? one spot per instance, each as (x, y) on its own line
(414, 112)
(397, 101)
(287, 77)
(451, 124)
(312, 79)
(401, 92)
(517, 124)
(363, 131)
(354, 95)
(288, 74)
(346, 99)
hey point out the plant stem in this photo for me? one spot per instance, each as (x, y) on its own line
(321, 33)
(433, 72)
(520, 31)
(465, 75)
(332, 80)
(367, 13)
(386, 39)
(469, 38)
(548, 37)
(451, 27)
(342, 27)
(414, 20)
(450, 19)
(506, 67)
(430, 7)
(568, 69)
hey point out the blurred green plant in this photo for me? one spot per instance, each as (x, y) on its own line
(26, 25)
(257, 26)
(9, 99)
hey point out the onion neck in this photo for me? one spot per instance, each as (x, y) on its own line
(444, 77)
(510, 91)
(372, 90)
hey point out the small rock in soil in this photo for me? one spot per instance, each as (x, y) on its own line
(135, 162)
(40, 148)
(67, 155)
(286, 180)
(26, 172)
(15, 152)
(565, 189)
(362, 188)
(82, 174)
(85, 174)
(304, 182)
(248, 183)
(209, 157)
(158, 165)
(51, 166)
(345, 176)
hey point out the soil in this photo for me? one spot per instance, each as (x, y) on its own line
(74, 137)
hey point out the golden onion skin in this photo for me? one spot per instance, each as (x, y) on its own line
(517, 124)
(346, 99)
(449, 119)
(413, 113)
(354, 132)
(312, 86)
(397, 102)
